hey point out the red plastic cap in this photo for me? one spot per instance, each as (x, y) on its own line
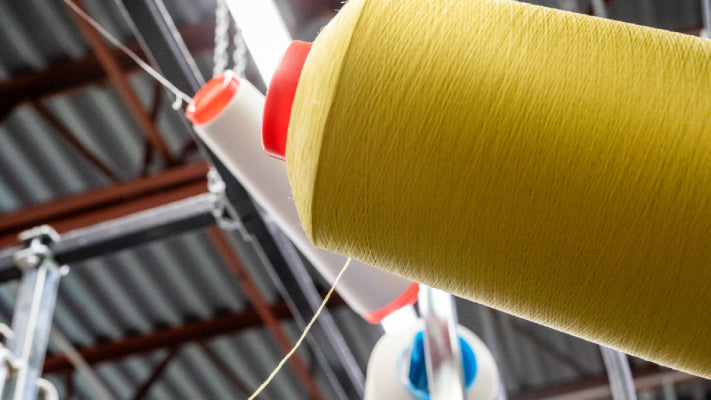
(209, 101)
(408, 297)
(280, 98)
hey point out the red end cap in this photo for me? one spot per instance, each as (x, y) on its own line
(280, 98)
(209, 101)
(408, 297)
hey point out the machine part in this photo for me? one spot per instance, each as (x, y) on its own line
(160, 39)
(618, 370)
(139, 228)
(442, 351)
(227, 113)
(390, 361)
(32, 318)
(706, 14)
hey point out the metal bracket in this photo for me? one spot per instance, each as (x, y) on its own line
(36, 251)
(37, 241)
(21, 361)
(443, 357)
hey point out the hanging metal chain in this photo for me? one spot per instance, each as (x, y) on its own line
(222, 43)
(222, 39)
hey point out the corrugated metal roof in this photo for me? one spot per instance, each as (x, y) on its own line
(179, 279)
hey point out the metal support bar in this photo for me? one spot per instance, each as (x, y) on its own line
(620, 374)
(108, 202)
(155, 29)
(194, 331)
(443, 356)
(66, 134)
(78, 364)
(81, 244)
(145, 387)
(706, 14)
(225, 370)
(32, 318)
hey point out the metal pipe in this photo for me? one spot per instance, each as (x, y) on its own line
(445, 377)
(139, 228)
(599, 8)
(618, 370)
(32, 318)
(80, 365)
(706, 15)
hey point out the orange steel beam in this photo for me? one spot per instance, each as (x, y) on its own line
(123, 86)
(250, 289)
(75, 143)
(195, 331)
(96, 206)
(146, 386)
(66, 76)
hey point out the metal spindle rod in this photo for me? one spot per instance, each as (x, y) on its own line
(619, 373)
(443, 356)
(706, 15)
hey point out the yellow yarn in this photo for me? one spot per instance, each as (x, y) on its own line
(552, 165)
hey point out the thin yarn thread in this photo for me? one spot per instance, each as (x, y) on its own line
(239, 55)
(303, 334)
(552, 165)
(179, 95)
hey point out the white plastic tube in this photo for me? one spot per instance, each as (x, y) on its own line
(227, 115)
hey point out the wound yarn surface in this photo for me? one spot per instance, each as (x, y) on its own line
(551, 165)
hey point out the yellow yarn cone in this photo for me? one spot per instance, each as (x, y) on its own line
(551, 165)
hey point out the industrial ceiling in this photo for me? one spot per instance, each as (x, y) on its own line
(86, 137)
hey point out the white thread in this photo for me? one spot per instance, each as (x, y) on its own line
(303, 334)
(222, 40)
(152, 72)
(599, 8)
